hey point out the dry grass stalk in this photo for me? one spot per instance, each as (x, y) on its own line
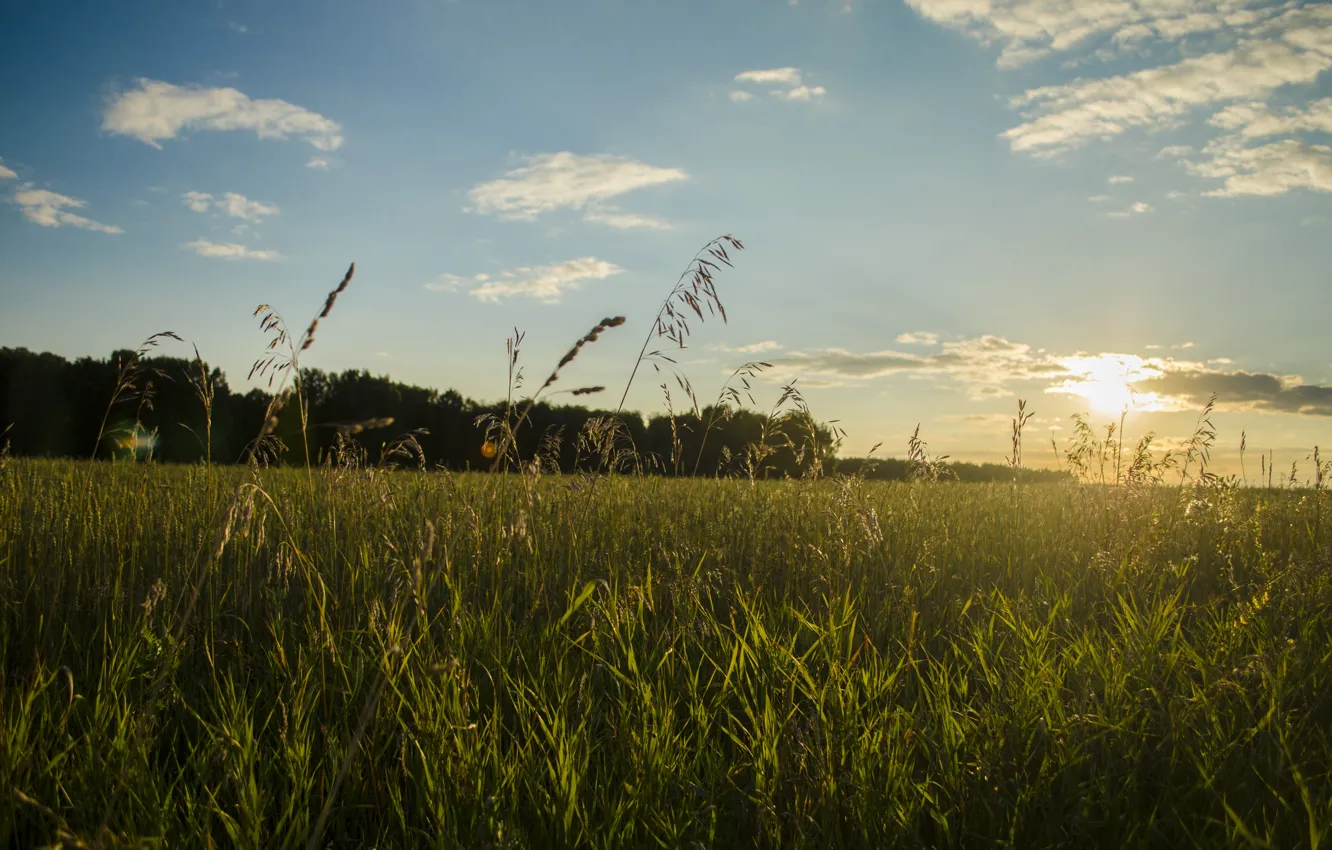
(505, 440)
(695, 289)
(328, 307)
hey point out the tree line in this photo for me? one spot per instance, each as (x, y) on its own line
(177, 410)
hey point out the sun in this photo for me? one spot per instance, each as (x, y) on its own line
(1106, 381)
(1107, 396)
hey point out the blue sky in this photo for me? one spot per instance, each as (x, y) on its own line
(947, 204)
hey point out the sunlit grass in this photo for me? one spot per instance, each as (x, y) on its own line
(623, 662)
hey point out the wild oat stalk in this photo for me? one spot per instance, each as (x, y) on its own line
(1198, 447)
(287, 366)
(508, 433)
(128, 373)
(1019, 422)
(1083, 447)
(694, 290)
(922, 467)
(729, 399)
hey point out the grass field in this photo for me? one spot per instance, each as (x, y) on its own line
(397, 659)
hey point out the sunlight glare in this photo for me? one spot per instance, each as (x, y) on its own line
(1106, 382)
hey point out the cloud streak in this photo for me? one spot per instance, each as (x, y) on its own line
(230, 251)
(52, 209)
(784, 83)
(234, 205)
(569, 181)
(1259, 54)
(547, 284)
(154, 111)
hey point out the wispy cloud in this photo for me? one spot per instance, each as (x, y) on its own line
(154, 111)
(51, 209)
(983, 365)
(234, 205)
(543, 283)
(991, 366)
(753, 348)
(1069, 116)
(612, 217)
(7, 173)
(555, 181)
(918, 338)
(318, 163)
(1271, 169)
(230, 251)
(1028, 30)
(1257, 55)
(1138, 208)
(1119, 178)
(785, 83)
(771, 77)
(1174, 151)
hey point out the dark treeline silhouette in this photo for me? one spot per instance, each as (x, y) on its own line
(53, 407)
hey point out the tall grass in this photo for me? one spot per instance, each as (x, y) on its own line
(659, 661)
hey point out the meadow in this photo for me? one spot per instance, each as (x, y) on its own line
(342, 653)
(394, 658)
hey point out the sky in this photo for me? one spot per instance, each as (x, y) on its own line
(946, 205)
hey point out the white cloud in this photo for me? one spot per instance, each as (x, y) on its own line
(6, 173)
(1257, 52)
(983, 365)
(453, 282)
(318, 163)
(234, 205)
(1174, 151)
(771, 77)
(612, 217)
(1098, 199)
(784, 83)
(1258, 120)
(1137, 208)
(752, 348)
(1119, 178)
(1069, 116)
(566, 180)
(918, 338)
(1270, 169)
(1031, 29)
(229, 251)
(200, 202)
(544, 283)
(802, 93)
(156, 110)
(50, 209)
